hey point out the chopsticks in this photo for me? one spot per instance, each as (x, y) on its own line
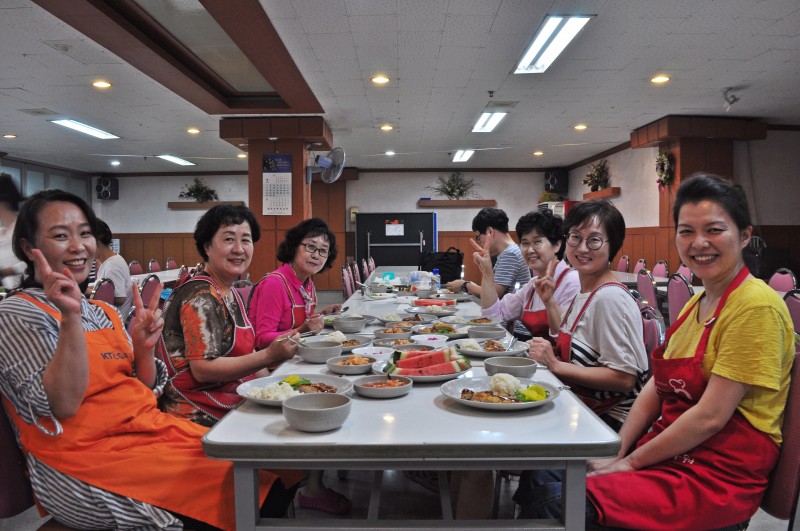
(304, 334)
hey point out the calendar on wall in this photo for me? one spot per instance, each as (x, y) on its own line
(277, 185)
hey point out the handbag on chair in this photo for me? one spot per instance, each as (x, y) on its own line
(448, 262)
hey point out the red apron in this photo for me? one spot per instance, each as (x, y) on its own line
(299, 311)
(214, 399)
(536, 320)
(563, 350)
(716, 484)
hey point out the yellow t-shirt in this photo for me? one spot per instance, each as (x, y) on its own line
(752, 342)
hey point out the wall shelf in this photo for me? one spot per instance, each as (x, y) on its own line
(456, 203)
(194, 205)
(605, 193)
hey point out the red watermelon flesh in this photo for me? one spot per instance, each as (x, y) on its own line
(450, 367)
(425, 359)
(405, 354)
(434, 302)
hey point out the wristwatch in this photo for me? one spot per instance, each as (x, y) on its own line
(464, 286)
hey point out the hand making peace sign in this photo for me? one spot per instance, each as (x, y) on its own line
(148, 321)
(482, 257)
(545, 285)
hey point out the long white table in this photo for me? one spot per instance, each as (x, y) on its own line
(629, 279)
(167, 276)
(422, 431)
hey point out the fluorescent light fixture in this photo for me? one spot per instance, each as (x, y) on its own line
(488, 121)
(463, 155)
(114, 163)
(241, 155)
(85, 129)
(390, 153)
(554, 35)
(10, 135)
(176, 160)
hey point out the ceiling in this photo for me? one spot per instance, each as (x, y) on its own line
(443, 58)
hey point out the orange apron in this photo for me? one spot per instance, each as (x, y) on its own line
(121, 442)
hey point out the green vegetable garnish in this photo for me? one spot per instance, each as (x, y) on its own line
(296, 381)
(533, 393)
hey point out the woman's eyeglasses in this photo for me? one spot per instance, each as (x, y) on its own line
(536, 244)
(592, 242)
(311, 249)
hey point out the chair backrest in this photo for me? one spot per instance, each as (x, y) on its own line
(647, 288)
(661, 269)
(129, 320)
(147, 289)
(371, 264)
(783, 280)
(623, 264)
(364, 269)
(792, 300)
(781, 498)
(654, 328)
(347, 283)
(679, 291)
(356, 274)
(684, 270)
(171, 263)
(15, 489)
(245, 289)
(640, 264)
(135, 268)
(153, 266)
(103, 290)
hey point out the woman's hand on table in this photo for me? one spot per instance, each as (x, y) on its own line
(60, 288)
(541, 350)
(333, 308)
(314, 323)
(545, 285)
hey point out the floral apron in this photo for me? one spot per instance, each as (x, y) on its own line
(536, 320)
(215, 399)
(716, 484)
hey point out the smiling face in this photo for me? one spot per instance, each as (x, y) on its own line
(710, 243)
(588, 262)
(306, 263)
(537, 250)
(230, 252)
(65, 238)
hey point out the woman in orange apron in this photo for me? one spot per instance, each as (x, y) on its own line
(539, 303)
(82, 395)
(704, 434)
(208, 341)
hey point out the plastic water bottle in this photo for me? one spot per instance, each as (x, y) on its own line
(436, 278)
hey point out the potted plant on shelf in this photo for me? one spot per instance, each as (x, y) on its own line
(455, 186)
(199, 191)
(598, 177)
(665, 169)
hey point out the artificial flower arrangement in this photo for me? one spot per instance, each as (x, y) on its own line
(598, 176)
(455, 186)
(665, 169)
(199, 191)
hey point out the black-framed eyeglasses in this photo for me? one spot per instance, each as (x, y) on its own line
(592, 242)
(311, 249)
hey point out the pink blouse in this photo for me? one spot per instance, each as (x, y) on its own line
(270, 308)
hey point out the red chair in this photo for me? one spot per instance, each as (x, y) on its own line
(371, 263)
(792, 300)
(135, 268)
(679, 291)
(245, 289)
(16, 495)
(623, 264)
(356, 275)
(347, 283)
(103, 290)
(148, 287)
(783, 280)
(684, 270)
(660, 270)
(171, 263)
(153, 266)
(654, 329)
(364, 269)
(646, 287)
(640, 264)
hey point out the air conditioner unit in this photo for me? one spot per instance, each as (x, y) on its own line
(559, 208)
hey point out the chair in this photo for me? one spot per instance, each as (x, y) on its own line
(356, 274)
(647, 289)
(16, 495)
(684, 270)
(347, 285)
(679, 291)
(129, 320)
(244, 288)
(148, 287)
(135, 268)
(171, 263)
(371, 263)
(623, 264)
(640, 264)
(792, 300)
(783, 280)
(103, 290)
(655, 329)
(153, 266)
(660, 270)
(364, 269)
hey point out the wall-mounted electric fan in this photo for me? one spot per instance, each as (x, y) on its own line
(330, 166)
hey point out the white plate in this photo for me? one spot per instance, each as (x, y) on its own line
(342, 386)
(379, 366)
(425, 310)
(460, 297)
(460, 332)
(465, 320)
(519, 348)
(426, 318)
(453, 390)
(363, 340)
(380, 296)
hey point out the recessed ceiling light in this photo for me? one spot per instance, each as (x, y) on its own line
(661, 78)
(580, 127)
(85, 129)
(390, 153)
(551, 39)
(176, 160)
(488, 121)
(193, 131)
(10, 135)
(538, 153)
(386, 127)
(380, 79)
(101, 84)
(241, 156)
(463, 155)
(114, 163)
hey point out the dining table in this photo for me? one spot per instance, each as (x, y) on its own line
(422, 430)
(168, 277)
(630, 279)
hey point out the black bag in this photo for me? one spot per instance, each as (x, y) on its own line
(448, 263)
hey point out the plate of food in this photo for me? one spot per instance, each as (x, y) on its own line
(352, 364)
(501, 392)
(328, 319)
(392, 342)
(470, 320)
(449, 295)
(432, 310)
(424, 366)
(488, 348)
(439, 327)
(273, 390)
(380, 296)
(348, 341)
(382, 387)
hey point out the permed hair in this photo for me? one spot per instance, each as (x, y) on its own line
(222, 216)
(310, 228)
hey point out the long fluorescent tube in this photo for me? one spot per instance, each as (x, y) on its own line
(85, 129)
(176, 160)
(488, 121)
(555, 35)
(463, 155)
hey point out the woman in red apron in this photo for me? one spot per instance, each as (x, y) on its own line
(285, 301)
(208, 344)
(704, 434)
(539, 303)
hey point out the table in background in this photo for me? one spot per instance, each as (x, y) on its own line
(168, 277)
(629, 279)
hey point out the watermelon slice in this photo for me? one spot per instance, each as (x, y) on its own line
(426, 359)
(455, 366)
(434, 302)
(405, 354)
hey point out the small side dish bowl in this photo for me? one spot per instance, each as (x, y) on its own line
(382, 334)
(486, 332)
(515, 366)
(341, 365)
(414, 346)
(433, 340)
(349, 325)
(319, 351)
(382, 392)
(422, 293)
(317, 412)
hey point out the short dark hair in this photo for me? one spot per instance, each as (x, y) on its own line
(310, 228)
(9, 193)
(222, 216)
(606, 213)
(546, 224)
(490, 217)
(103, 233)
(705, 186)
(28, 223)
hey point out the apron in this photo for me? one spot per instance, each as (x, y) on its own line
(299, 311)
(563, 351)
(536, 320)
(215, 399)
(716, 484)
(121, 442)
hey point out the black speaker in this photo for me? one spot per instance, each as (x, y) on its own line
(556, 181)
(107, 188)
